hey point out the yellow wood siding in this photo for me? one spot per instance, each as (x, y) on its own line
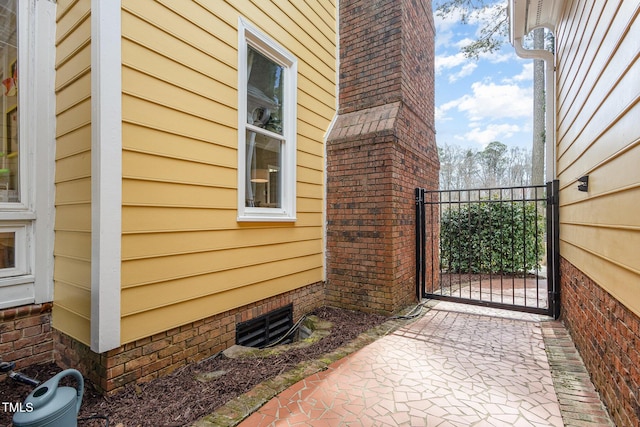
(72, 251)
(598, 94)
(184, 255)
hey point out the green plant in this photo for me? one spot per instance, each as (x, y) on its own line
(491, 237)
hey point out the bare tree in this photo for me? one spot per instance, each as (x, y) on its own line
(449, 165)
(519, 167)
(495, 165)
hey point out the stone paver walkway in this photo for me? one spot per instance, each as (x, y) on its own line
(455, 366)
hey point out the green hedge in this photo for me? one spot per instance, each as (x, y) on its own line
(491, 237)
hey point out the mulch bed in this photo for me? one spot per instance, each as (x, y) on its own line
(179, 399)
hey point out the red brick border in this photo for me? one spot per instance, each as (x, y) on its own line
(25, 335)
(163, 353)
(580, 403)
(606, 334)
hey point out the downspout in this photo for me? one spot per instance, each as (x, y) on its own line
(553, 220)
(550, 107)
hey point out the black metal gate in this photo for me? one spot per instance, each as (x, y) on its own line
(495, 247)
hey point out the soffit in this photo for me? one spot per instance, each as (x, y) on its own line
(527, 15)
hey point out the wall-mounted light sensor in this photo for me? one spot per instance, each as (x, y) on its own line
(584, 186)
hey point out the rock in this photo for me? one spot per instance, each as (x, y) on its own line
(238, 351)
(209, 376)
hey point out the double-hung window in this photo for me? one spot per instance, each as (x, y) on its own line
(266, 128)
(27, 54)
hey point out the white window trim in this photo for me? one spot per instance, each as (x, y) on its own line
(21, 265)
(249, 35)
(36, 26)
(44, 101)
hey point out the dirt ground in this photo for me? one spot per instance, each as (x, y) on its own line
(180, 399)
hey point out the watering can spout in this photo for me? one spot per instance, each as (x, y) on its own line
(50, 405)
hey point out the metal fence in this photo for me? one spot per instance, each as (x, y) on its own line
(490, 246)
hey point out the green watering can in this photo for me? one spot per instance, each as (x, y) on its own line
(52, 406)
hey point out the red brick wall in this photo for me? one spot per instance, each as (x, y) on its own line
(416, 154)
(418, 35)
(370, 53)
(163, 353)
(382, 146)
(360, 212)
(25, 335)
(606, 334)
(417, 165)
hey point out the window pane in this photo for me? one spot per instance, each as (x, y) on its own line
(263, 171)
(7, 250)
(9, 149)
(264, 92)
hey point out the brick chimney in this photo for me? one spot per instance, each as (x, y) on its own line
(381, 147)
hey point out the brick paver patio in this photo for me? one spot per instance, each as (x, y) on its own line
(457, 365)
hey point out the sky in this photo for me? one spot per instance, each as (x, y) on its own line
(484, 100)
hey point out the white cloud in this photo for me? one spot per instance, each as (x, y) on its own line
(525, 75)
(447, 62)
(463, 42)
(444, 30)
(446, 23)
(490, 101)
(453, 64)
(499, 56)
(441, 115)
(443, 40)
(466, 70)
(488, 15)
(493, 57)
(442, 110)
(483, 135)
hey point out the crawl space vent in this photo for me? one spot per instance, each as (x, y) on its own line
(267, 329)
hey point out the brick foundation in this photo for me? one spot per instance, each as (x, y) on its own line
(606, 334)
(380, 149)
(163, 353)
(25, 335)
